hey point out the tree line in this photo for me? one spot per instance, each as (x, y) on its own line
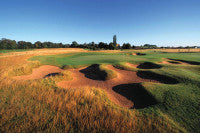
(12, 44)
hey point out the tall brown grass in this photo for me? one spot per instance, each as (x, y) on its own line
(167, 50)
(45, 51)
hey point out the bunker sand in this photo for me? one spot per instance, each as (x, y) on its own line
(131, 65)
(123, 77)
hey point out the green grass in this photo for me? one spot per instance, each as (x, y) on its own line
(14, 50)
(179, 56)
(110, 58)
(180, 101)
(88, 58)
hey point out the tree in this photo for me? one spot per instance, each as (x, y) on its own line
(149, 46)
(48, 44)
(29, 45)
(133, 47)
(74, 44)
(60, 45)
(8, 44)
(38, 44)
(3, 44)
(111, 46)
(126, 46)
(24, 45)
(103, 45)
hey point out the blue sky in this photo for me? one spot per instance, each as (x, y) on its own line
(160, 22)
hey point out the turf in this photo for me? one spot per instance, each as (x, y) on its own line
(110, 58)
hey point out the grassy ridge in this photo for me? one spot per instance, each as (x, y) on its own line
(110, 73)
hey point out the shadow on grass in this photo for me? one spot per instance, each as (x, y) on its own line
(94, 72)
(174, 62)
(189, 62)
(158, 77)
(51, 75)
(148, 65)
(140, 54)
(137, 94)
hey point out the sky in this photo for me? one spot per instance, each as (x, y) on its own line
(139, 22)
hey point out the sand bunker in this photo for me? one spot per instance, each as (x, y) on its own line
(131, 65)
(132, 54)
(41, 72)
(123, 77)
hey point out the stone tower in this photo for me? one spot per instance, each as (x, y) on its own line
(115, 40)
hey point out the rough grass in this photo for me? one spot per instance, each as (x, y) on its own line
(39, 105)
(24, 69)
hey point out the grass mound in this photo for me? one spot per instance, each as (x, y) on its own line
(110, 73)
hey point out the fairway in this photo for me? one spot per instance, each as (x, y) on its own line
(112, 58)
